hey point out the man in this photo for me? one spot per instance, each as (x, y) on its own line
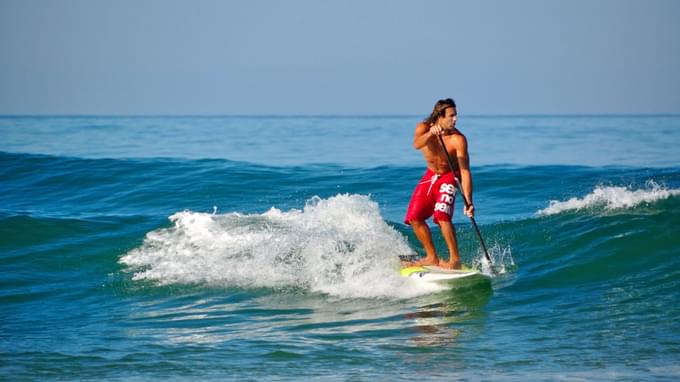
(435, 194)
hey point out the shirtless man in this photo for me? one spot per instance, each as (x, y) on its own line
(435, 193)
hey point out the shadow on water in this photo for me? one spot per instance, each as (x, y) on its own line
(439, 318)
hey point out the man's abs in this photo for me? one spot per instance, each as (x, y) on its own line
(435, 160)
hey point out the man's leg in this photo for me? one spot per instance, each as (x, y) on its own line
(449, 234)
(423, 234)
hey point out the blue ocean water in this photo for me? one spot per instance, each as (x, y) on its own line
(266, 248)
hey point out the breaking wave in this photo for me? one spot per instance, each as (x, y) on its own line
(340, 246)
(611, 198)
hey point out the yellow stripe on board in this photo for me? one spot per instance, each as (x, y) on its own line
(407, 271)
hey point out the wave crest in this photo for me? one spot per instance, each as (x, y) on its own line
(340, 246)
(611, 198)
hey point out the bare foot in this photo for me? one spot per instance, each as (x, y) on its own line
(450, 264)
(424, 262)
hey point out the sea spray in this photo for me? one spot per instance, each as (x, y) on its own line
(502, 261)
(340, 246)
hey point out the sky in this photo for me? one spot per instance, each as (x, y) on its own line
(354, 57)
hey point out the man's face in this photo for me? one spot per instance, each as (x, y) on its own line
(448, 120)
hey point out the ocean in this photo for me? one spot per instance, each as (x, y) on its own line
(267, 248)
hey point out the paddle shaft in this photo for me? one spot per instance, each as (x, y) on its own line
(465, 201)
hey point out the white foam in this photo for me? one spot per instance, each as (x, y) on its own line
(340, 246)
(611, 198)
(502, 261)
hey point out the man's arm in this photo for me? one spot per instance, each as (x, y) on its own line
(464, 166)
(422, 135)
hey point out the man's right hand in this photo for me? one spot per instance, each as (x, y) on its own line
(436, 130)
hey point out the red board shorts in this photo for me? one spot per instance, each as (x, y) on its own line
(434, 196)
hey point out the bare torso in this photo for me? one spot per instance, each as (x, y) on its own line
(433, 153)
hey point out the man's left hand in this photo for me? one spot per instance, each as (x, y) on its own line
(469, 211)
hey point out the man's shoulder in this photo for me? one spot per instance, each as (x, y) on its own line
(457, 137)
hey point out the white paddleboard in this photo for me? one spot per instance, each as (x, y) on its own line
(432, 274)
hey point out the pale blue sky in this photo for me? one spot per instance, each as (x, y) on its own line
(342, 57)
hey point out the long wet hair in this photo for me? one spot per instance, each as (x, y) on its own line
(439, 110)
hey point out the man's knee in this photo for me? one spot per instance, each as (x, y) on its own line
(442, 222)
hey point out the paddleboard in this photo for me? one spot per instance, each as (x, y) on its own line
(432, 274)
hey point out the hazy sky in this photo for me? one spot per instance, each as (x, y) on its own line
(339, 57)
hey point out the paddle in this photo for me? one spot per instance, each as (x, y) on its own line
(474, 224)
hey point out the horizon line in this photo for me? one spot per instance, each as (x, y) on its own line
(386, 115)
